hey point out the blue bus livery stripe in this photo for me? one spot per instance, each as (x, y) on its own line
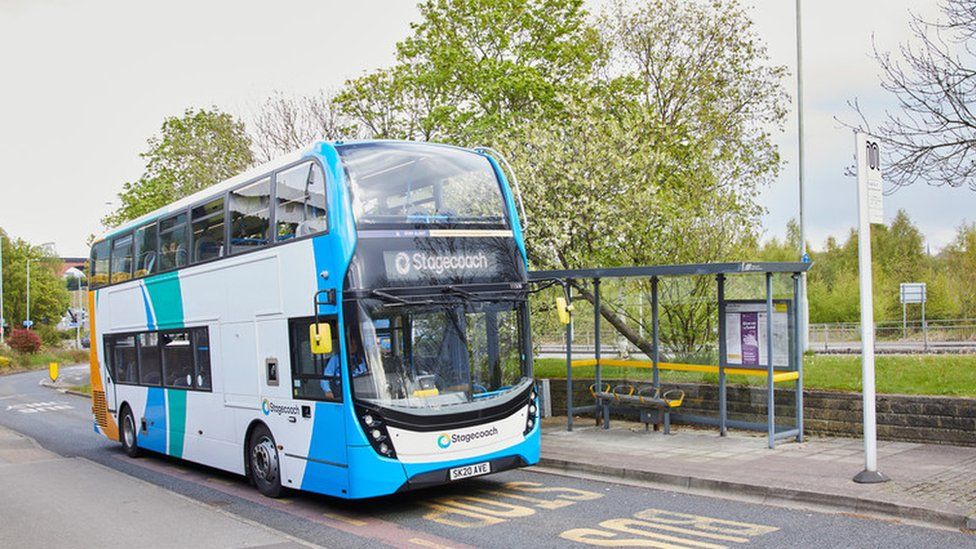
(155, 436)
(150, 318)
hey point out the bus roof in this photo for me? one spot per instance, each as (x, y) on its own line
(252, 173)
(215, 189)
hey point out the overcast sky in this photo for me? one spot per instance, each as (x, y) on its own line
(84, 84)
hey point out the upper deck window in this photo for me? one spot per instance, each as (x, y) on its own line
(301, 203)
(411, 184)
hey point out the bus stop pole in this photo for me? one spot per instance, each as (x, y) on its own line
(722, 405)
(770, 388)
(656, 334)
(569, 359)
(798, 357)
(596, 344)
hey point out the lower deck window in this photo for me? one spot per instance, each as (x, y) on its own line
(179, 359)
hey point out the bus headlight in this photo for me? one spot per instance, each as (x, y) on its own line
(533, 409)
(376, 433)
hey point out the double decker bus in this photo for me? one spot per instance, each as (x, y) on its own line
(349, 320)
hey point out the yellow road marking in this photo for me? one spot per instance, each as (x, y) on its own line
(427, 543)
(632, 526)
(440, 514)
(709, 524)
(591, 536)
(541, 503)
(345, 518)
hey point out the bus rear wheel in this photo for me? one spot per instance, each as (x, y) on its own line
(128, 435)
(265, 467)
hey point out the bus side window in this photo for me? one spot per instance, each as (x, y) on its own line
(150, 370)
(250, 216)
(173, 242)
(208, 230)
(99, 264)
(300, 202)
(145, 251)
(314, 376)
(201, 353)
(122, 259)
(177, 359)
(121, 354)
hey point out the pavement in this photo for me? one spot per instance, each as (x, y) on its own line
(932, 484)
(50, 501)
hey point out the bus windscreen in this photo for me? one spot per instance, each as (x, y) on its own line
(414, 184)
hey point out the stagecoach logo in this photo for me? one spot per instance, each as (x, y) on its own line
(415, 263)
(268, 407)
(444, 441)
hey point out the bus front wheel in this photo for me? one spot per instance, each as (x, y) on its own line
(128, 436)
(265, 467)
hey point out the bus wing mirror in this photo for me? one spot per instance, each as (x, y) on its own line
(320, 338)
(563, 309)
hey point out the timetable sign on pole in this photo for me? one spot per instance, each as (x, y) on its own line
(869, 176)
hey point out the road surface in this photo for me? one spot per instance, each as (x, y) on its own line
(511, 509)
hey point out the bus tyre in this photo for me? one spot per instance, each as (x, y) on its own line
(128, 434)
(265, 467)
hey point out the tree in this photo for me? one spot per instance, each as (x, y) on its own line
(191, 152)
(960, 258)
(473, 68)
(285, 123)
(932, 135)
(660, 159)
(646, 143)
(49, 296)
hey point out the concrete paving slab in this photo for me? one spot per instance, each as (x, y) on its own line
(54, 502)
(930, 483)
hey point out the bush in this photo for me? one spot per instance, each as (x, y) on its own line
(49, 334)
(24, 341)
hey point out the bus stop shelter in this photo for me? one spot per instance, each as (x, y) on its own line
(749, 312)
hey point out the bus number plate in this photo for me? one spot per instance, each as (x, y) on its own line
(458, 473)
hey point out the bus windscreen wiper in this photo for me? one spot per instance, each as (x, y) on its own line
(389, 297)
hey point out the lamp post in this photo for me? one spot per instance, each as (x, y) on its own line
(27, 321)
(802, 298)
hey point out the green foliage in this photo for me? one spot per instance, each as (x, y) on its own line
(24, 341)
(49, 297)
(898, 255)
(473, 68)
(643, 139)
(190, 153)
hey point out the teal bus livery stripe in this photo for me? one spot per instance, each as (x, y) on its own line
(176, 410)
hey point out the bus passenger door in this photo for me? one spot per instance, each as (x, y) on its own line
(316, 384)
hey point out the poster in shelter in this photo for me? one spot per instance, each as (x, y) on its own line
(745, 333)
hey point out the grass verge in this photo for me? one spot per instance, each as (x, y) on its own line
(86, 388)
(20, 362)
(946, 375)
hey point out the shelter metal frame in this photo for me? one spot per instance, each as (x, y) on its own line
(720, 271)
